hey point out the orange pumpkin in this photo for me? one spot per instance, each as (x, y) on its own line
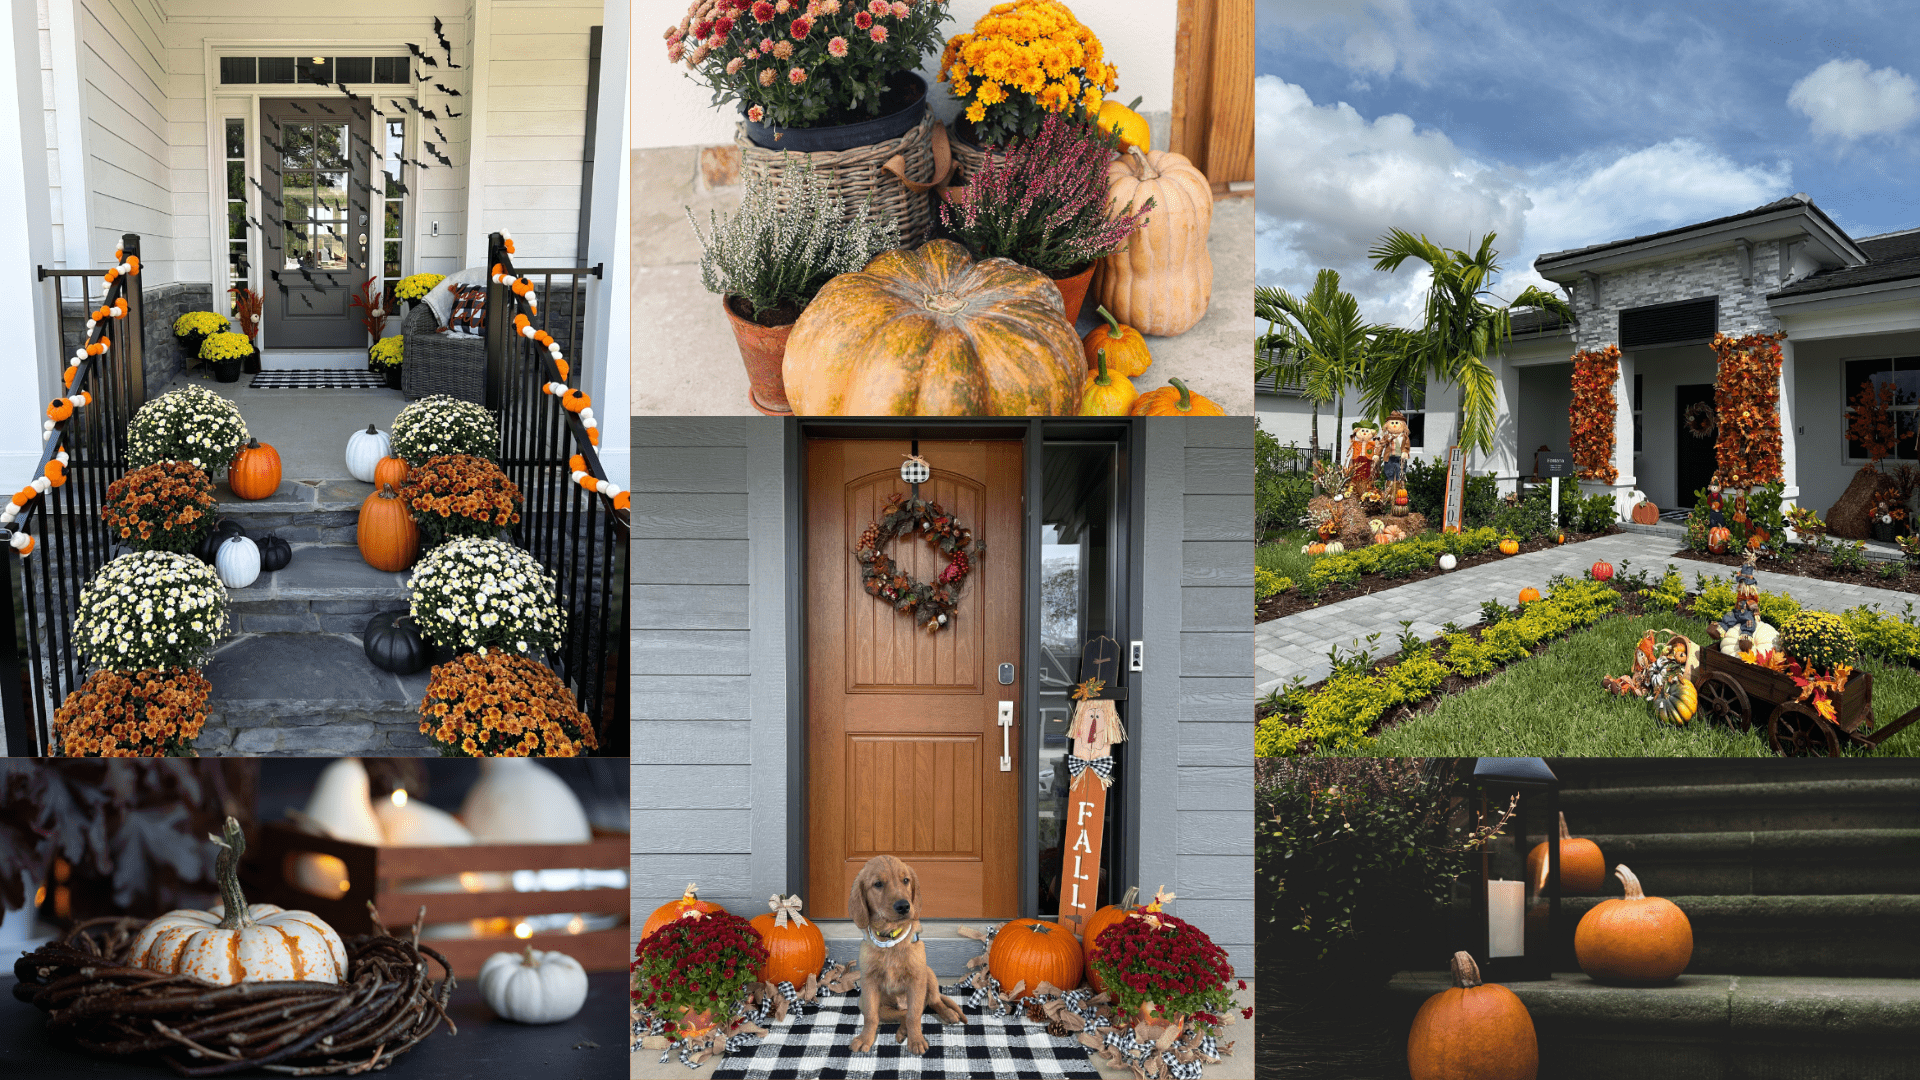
(674, 909)
(1100, 920)
(1529, 594)
(930, 332)
(255, 473)
(388, 538)
(795, 947)
(1636, 940)
(1106, 393)
(1174, 400)
(1757, 540)
(1162, 280)
(1717, 539)
(1317, 548)
(1645, 513)
(1033, 952)
(1473, 1031)
(1126, 347)
(1509, 547)
(390, 470)
(1582, 868)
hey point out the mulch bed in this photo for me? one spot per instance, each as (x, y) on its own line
(1802, 562)
(1291, 602)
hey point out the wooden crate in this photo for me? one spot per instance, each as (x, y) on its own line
(375, 874)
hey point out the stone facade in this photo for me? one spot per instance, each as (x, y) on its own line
(1715, 272)
(160, 354)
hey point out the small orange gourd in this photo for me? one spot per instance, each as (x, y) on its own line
(1033, 952)
(388, 538)
(1582, 868)
(1529, 594)
(1473, 1031)
(674, 909)
(795, 947)
(390, 470)
(1635, 940)
(255, 472)
(1174, 400)
(1509, 547)
(1100, 920)
(1126, 347)
(1107, 393)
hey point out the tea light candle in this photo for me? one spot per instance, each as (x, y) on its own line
(1506, 918)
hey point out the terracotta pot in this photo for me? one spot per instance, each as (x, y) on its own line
(762, 349)
(1149, 1014)
(694, 1025)
(1073, 290)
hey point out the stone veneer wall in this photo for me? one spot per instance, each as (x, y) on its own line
(1715, 272)
(160, 354)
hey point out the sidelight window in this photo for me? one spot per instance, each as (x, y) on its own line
(1903, 374)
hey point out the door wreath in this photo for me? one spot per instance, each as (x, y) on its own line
(930, 604)
(1701, 421)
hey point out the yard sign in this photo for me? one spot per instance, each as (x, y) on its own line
(1096, 727)
(1456, 491)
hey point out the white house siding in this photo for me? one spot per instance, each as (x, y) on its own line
(1820, 409)
(1713, 272)
(536, 116)
(127, 118)
(50, 116)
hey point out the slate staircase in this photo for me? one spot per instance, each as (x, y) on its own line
(1801, 880)
(291, 678)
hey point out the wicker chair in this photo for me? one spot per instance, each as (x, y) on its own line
(439, 363)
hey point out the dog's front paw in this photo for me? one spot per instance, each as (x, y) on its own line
(863, 1042)
(949, 1012)
(916, 1042)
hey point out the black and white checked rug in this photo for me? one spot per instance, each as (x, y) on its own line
(820, 1045)
(320, 379)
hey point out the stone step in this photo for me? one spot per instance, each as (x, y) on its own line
(1712, 1027)
(301, 510)
(1800, 862)
(309, 694)
(1888, 800)
(326, 587)
(947, 951)
(1864, 935)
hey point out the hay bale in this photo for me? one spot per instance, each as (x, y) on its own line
(1850, 517)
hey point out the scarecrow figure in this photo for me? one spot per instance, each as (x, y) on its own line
(1716, 510)
(1360, 452)
(1096, 727)
(1754, 634)
(1395, 445)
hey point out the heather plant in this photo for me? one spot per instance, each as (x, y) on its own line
(1044, 204)
(790, 236)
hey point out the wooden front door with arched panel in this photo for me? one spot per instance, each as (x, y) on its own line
(903, 734)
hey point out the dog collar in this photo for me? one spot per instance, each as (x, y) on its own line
(890, 942)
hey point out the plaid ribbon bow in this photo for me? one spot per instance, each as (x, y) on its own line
(1102, 767)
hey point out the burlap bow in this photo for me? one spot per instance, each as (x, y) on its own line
(785, 907)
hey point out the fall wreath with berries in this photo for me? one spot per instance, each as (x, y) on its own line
(930, 603)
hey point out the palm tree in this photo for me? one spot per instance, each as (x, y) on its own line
(1461, 328)
(1322, 345)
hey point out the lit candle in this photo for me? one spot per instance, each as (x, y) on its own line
(1506, 918)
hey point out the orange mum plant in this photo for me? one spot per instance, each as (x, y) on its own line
(1590, 418)
(461, 495)
(1746, 395)
(150, 713)
(495, 704)
(166, 506)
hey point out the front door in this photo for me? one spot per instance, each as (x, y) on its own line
(316, 177)
(1693, 457)
(904, 746)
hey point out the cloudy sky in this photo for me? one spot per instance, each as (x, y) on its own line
(1563, 124)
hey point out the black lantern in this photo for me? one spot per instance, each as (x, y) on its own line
(1515, 912)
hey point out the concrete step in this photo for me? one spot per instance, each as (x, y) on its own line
(309, 694)
(1887, 801)
(1808, 862)
(947, 951)
(1830, 936)
(1712, 1027)
(301, 510)
(326, 587)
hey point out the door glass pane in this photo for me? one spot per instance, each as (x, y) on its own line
(1078, 603)
(330, 194)
(297, 140)
(236, 179)
(236, 138)
(236, 221)
(327, 249)
(330, 146)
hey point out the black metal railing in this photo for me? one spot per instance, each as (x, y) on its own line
(40, 593)
(577, 534)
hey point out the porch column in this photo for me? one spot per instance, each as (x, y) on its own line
(26, 241)
(1789, 457)
(76, 165)
(479, 99)
(1623, 484)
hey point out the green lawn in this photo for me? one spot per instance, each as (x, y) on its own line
(1553, 706)
(1285, 556)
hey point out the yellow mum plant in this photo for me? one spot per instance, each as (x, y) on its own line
(388, 351)
(199, 322)
(416, 286)
(1022, 61)
(225, 347)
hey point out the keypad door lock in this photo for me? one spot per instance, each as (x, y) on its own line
(1006, 674)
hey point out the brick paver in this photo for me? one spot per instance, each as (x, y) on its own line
(1298, 644)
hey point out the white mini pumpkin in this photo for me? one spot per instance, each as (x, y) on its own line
(533, 987)
(413, 823)
(238, 562)
(240, 942)
(520, 801)
(1448, 562)
(364, 451)
(342, 804)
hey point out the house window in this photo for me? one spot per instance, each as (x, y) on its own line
(1903, 373)
(1638, 398)
(320, 70)
(396, 199)
(236, 161)
(1412, 401)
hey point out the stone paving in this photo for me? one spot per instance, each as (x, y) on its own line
(1297, 644)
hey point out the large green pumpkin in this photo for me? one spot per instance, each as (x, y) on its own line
(930, 332)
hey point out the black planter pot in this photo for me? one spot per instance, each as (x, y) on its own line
(392, 372)
(190, 346)
(1883, 531)
(227, 370)
(904, 86)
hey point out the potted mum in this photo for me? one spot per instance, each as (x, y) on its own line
(1017, 67)
(193, 329)
(1044, 204)
(413, 287)
(442, 424)
(768, 260)
(1163, 969)
(150, 713)
(150, 610)
(386, 356)
(693, 972)
(226, 353)
(457, 495)
(471, 593)
(826, 75)
(191, 424)
(166, 506)
(494, 704)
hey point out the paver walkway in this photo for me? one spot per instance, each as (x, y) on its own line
(1297, 644)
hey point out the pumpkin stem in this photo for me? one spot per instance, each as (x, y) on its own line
(1130, 897)
(1119, 332)
(1466, 973)
(371, 430)
(1186, 395)
(386, 492)
(1152, 173)
(1632, 883)
(1102, 379)
(1564, 834)
(1137, 101)
(528, 960)
(253, 444)
(226, 870)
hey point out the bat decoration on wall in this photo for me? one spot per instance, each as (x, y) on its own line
(304, 300)
(428, 114)
(270, 168)
(439, 32)
(324, 109)
(275, 123)
(297, 108)
(435, 151)
(257, 225)
(343, 89)
(420, 56)
(420, 78)
(277, 148)
(367, 188)
(394, 184)
(451, 115)
(442, 134)
(447, 90)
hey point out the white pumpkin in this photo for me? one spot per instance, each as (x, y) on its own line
(520, 801)
(1448, 562)
(412, 823)
(364, 451)
(239, 942)
(238, 562)
(1336, 548)
(533, 987)
(341, 806)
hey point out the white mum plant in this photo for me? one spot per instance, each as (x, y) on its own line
(150, 609)
(442, 424)
(474, 592)
(189, 424)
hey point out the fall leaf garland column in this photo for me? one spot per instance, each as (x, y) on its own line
(1592, 417)
(1746, 395)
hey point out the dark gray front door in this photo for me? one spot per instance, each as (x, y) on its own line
(316, 164)
(1693, 457)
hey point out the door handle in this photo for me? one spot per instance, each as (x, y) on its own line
(1006, 736)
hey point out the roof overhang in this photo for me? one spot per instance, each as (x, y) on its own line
(1826, 244)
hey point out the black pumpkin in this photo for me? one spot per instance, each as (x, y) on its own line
(219, 534)
(275, 553)
(394, 644)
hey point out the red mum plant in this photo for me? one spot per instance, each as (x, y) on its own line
(1590, 418)
(1746, 395)
(1165, 963)
(693, 971)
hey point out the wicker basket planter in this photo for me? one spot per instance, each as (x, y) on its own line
(898, 175)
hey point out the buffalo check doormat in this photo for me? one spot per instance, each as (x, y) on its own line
(819, 1045)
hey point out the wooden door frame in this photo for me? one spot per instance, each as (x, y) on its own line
(1196, 86)
(1032, 434)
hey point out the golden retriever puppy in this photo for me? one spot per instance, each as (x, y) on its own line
(895, 981)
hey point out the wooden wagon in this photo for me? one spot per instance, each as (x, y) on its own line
(1738, 693)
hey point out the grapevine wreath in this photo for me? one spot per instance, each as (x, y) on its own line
(931, 605)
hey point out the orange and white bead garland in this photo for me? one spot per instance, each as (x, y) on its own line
(578, 464)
